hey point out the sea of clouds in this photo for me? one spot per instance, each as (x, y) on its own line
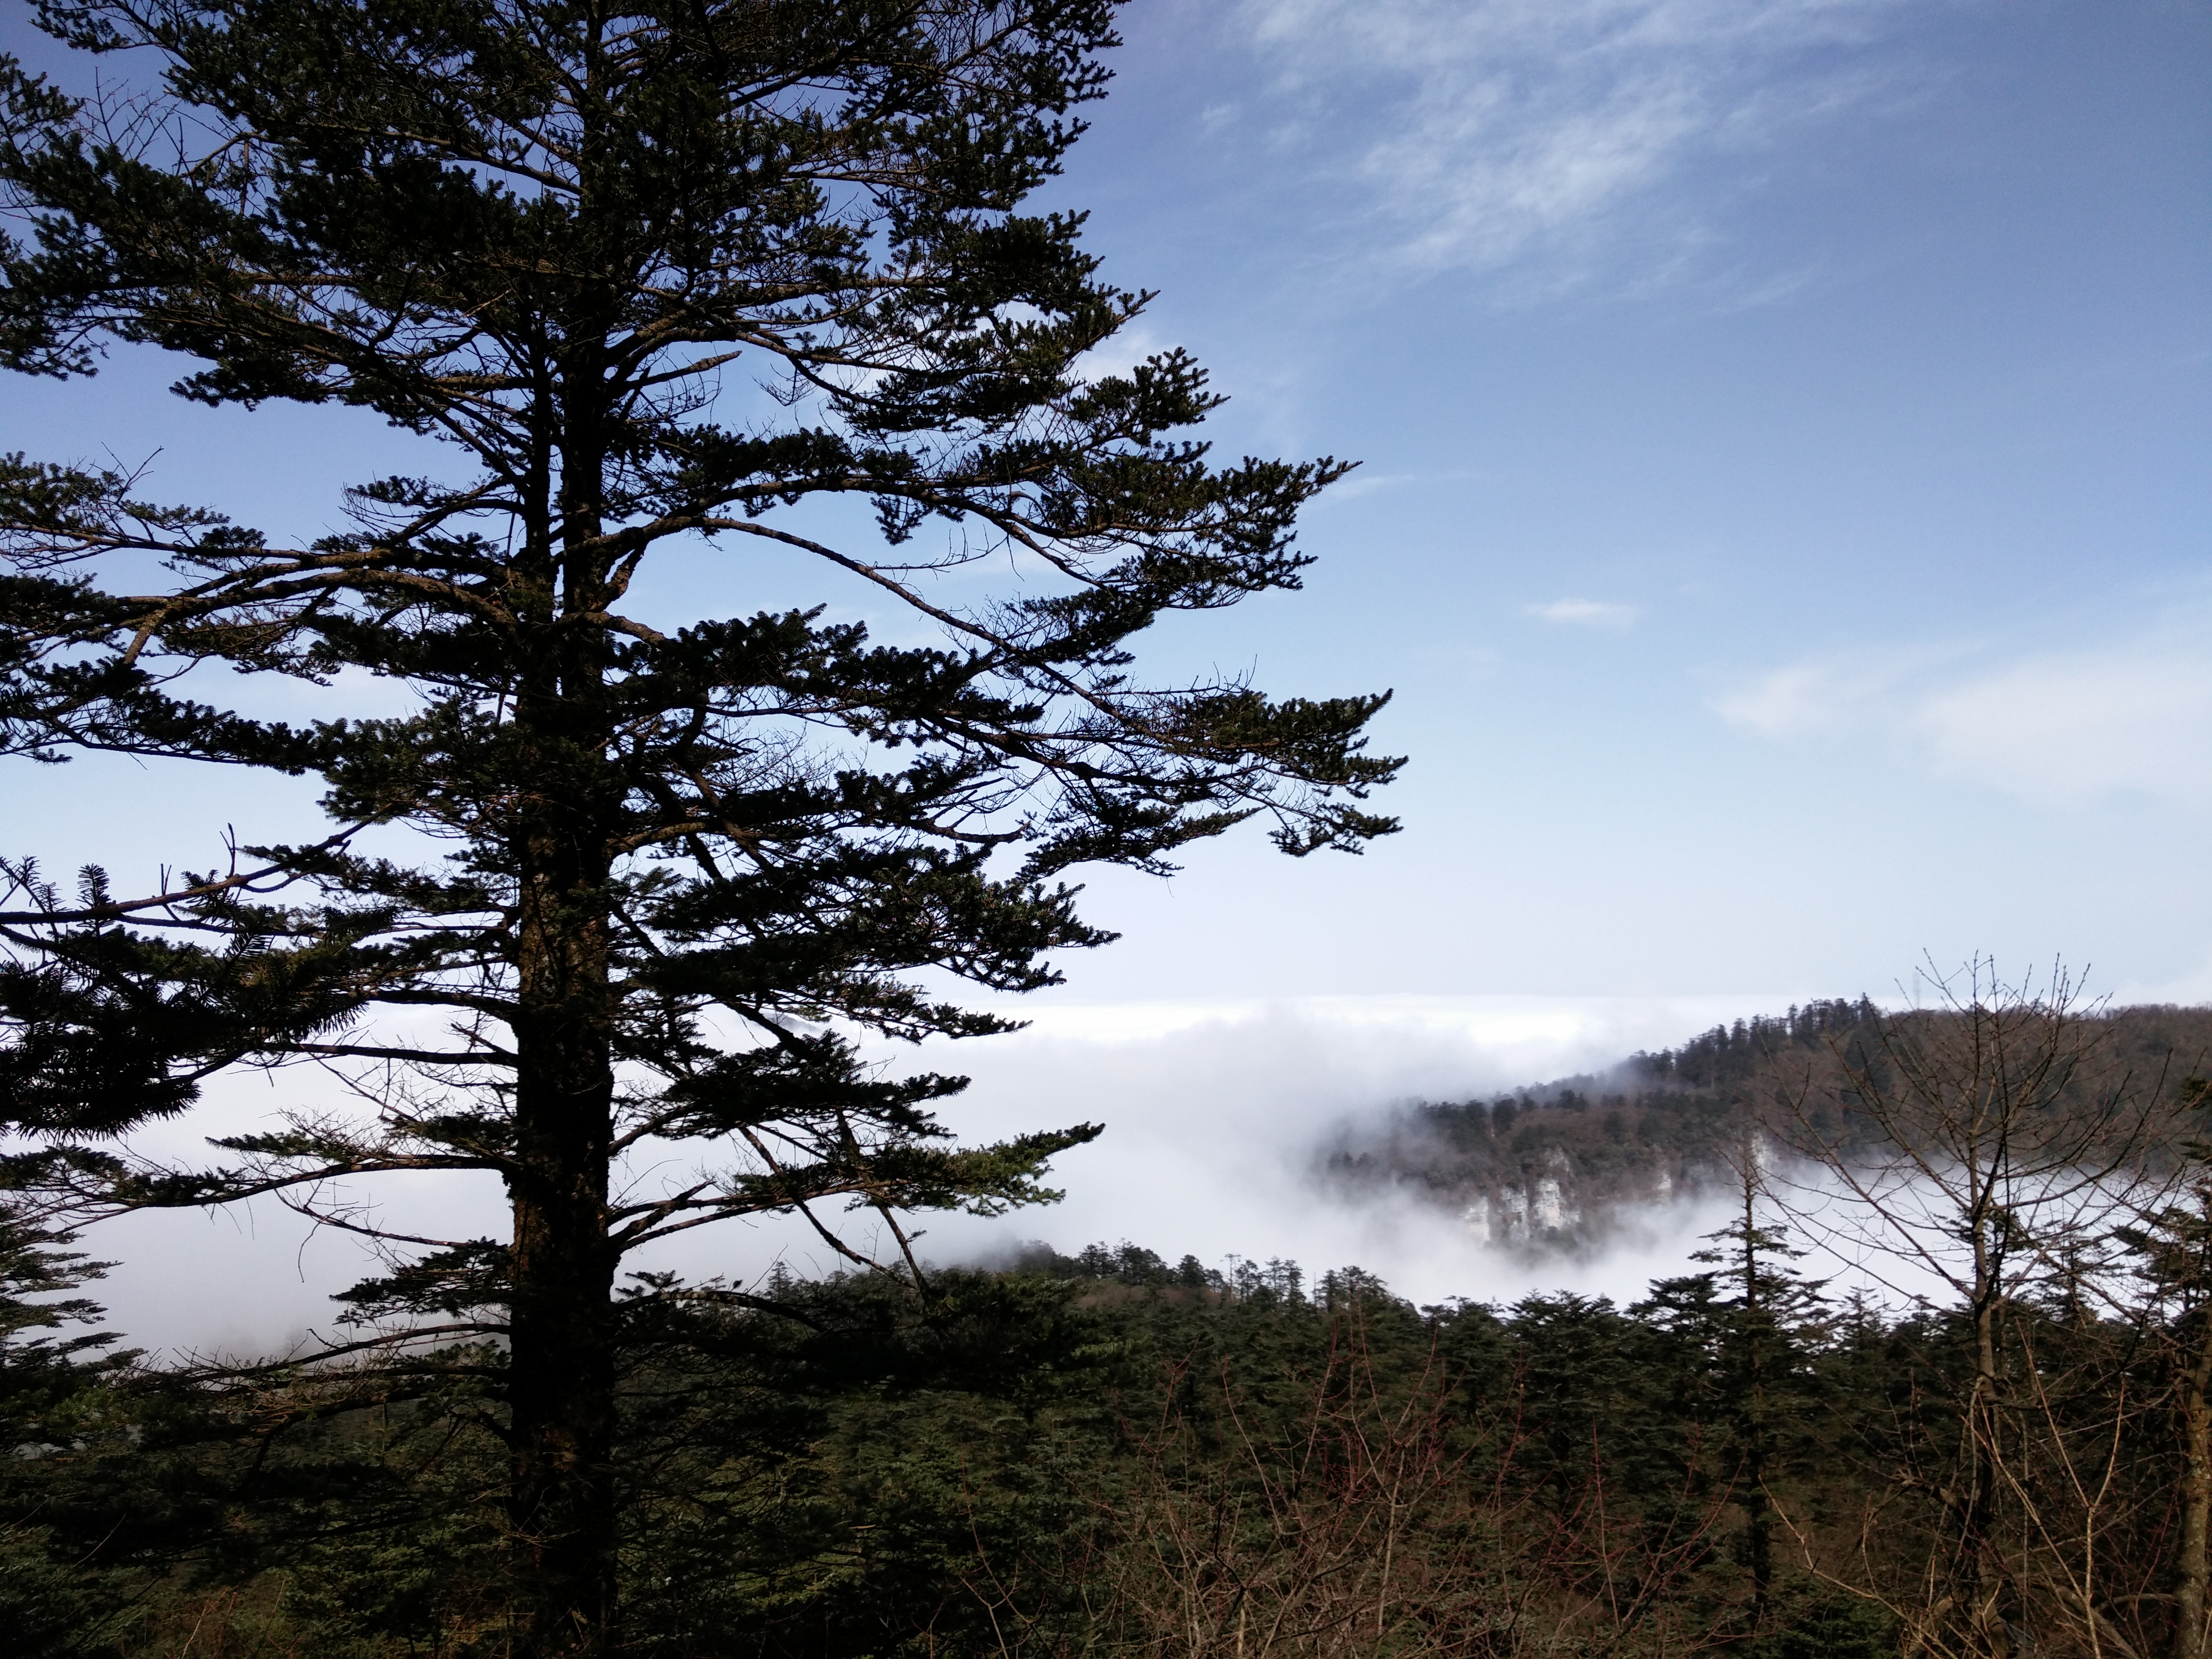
(1214, 1116)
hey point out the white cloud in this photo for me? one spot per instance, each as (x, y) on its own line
(2190, 987)
(1489, 130)
(2059, 728)
(1363, 482)
(1119, 354)
(1213, 1115)
(1585, 613)
(2070, 729)
(1814, 693)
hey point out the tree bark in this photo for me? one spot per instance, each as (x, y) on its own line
(1978, 1533)
(1758, 1517)
(2189, 1635)
(561, 1359)
(562, 1349)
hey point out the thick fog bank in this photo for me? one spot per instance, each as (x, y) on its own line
(1213, 1113)
(1214, 1118)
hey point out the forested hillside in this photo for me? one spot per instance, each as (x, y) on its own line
(1111, 1454)
(1556, 1163)
(1115, 1454)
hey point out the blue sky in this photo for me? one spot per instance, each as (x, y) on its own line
(1783, 509)
(1785, 516)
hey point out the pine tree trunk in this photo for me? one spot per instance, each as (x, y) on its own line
(1759, 1519)
(562, 1358)
(1758, 1515)
(1987, 1573)
(2189, 1634)
(560, 1365)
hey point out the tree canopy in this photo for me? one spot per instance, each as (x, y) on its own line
(667, 282)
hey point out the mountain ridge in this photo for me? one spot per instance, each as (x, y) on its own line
(1558, 1164)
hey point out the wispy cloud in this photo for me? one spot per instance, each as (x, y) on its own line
(1585, 613)
(1820, 693)
(2057, 727)
(2075, 727)
(1483, 132)
(1214, 1114)
(1119, 354)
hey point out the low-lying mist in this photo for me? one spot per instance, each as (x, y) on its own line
(1214, 1118)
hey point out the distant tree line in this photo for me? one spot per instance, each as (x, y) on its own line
(1663, 1124)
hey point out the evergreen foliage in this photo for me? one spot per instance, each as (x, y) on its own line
(618, 877)
(1075, 1454)
(51, 1400)
(1662, 1125)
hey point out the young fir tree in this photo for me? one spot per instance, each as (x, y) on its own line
(1764, 1328)
(669, 867)
(1743, 1334)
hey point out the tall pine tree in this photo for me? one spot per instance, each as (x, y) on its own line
(665, 872)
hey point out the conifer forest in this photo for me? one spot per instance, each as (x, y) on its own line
(607, 884)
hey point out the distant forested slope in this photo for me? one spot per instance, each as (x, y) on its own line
(1557, 1162)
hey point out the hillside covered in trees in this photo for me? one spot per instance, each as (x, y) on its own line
(1558, 1164)
(1114, 1453)
(1111, 1454)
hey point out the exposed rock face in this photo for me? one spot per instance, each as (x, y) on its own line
(1534, 1173)
(1550, 1213)
(1476, 1216)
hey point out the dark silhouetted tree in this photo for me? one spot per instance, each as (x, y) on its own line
(614, 876)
